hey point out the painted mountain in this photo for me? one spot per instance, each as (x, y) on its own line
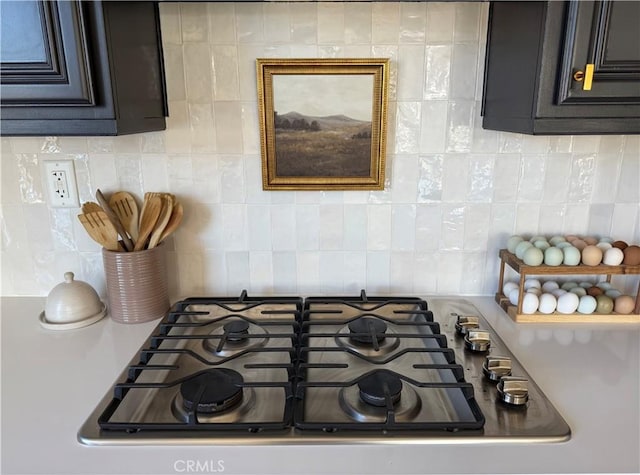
(331, 146)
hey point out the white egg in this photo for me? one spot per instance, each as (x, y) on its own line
(587, 304)
(513, 296)
(535, 291)
(579, 291)
(508, 287)
(530, 283)
(558, 292)
(572, 256)
(521, 248)
(613, 257)
(529, 303)
(550, 285)
(553, 256)
(547, 304)
(512, 242)
(603, 246)
(568, 303)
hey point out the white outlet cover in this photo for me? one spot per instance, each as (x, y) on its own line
(60, 182)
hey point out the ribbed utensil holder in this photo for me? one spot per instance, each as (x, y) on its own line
(136, 284)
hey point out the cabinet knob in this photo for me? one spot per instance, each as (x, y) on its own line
(586, 76)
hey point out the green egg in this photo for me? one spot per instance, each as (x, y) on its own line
(605, 304)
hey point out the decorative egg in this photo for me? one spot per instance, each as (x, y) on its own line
(512, 242)
(620, 245)
(613, 256)
(579, 291)
(508, 287)
(605, 304)
(533, 256)
(521, 248)
(568, 303)
(547, 304)
(631, 256)
(550, 285)
(591, 255)
(624, 304)
(568, 285)
(587, 304)
(529, 303)
(532, 283)
(513, 296)
(553, 256)
(556, 239)
(571, 256)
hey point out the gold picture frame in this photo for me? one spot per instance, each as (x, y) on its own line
(323, 123)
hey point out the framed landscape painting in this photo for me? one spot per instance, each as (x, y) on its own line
(323, 123)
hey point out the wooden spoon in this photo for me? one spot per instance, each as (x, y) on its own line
(125, 208)
(174, 221)
(90, 207)
(100, 229)
(163, 220)
(150, 213)
(128, 245)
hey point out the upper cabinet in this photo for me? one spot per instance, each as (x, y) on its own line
(563, 67)
(80, 68)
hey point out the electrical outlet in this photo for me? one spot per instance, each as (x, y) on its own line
(60, 178)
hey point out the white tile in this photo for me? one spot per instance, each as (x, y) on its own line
(332, 226)
(153, 142)
(430, 178)
(628, 185)
(467, 23)
(211, 279)
(331, 23)
(358, 28)
(585, 143)
(582, 177)
(600, 219)
(206, 171)
(452, 231)
(433, 132)
(472, 282)
(460, 126)
(332, 272)
(403, 227)
(197, 64)
(31, 183)
(405, 179)
(552, 218)
(180, 173)
(378, 271)
(455, 177)
(624, 222)
(410, 72)
(378, 227)
(506, 173)
(355, 230)
(510, 143)
(194, 21)
(259, 227)
(463, 71)
(226, 85)
(613, 144)
(606, 176)
(413, 22)
(308, 272)
(170, 23)
(234, 232)
(425, 273)
(238, 274)
(532, 178)
(560, 144)
(222, 23)
(307, 227)
(10, 190)
(129, 172)
(247, 55)
(385, 22)
(285, 273)
(503, 218)
(428, 227)
(527, 219)
(177, 137)
(437, 71)
(249, 22)
(261, 272)
(231, 170)
(535, 143)
(201, 127)
(283, 227)
(355, 272)
(449, 282)
(228, 127)
(557, 178)
(250, 128)
(277, 28)
(407, 134)
(401, 272)
(440, 22)
(481, 178)
(154, 172)
(253, 179)
(477, 222)
(576, 219)
(304, 25)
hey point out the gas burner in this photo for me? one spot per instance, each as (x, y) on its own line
(217, 393)
(368, 336)
(366, 400)
(236, 335)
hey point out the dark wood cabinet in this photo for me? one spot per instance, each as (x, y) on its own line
(81, 68)
(536, 67)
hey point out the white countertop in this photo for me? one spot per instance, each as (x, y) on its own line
(51, 382)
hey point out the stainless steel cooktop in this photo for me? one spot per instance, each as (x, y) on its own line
(323, 370)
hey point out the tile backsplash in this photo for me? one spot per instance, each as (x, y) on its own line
(454, 191)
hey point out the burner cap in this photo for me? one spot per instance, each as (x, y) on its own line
(365, 328)
(372, 388)
(220, 390)
(236, 330)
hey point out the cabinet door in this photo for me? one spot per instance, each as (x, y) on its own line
(44, 53)
(607, 35)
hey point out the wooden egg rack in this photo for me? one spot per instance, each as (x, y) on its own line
(515, 311)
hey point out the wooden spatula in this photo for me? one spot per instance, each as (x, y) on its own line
(90, 207)
(174, 221)
(100, 229)
(125, 208)
(148, 219)
(128, 245)
(163, 219)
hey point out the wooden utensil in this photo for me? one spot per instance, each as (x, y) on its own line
(128, 245)
(163, 219)
(90, 207)
(100, 229)
(174, 221)
(148, 219)
(125, 208)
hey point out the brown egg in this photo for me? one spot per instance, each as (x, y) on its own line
(619, 244)
(579, 243)
(571, 237)
(631, 256)
(594, 291)
(591, 241)
(591, 256)
(624, 304)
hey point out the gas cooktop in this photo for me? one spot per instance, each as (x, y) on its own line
(273, 370)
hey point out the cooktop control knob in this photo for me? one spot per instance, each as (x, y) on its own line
(513, 390)
(466, 323)
(477, 340)
(496, 367)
